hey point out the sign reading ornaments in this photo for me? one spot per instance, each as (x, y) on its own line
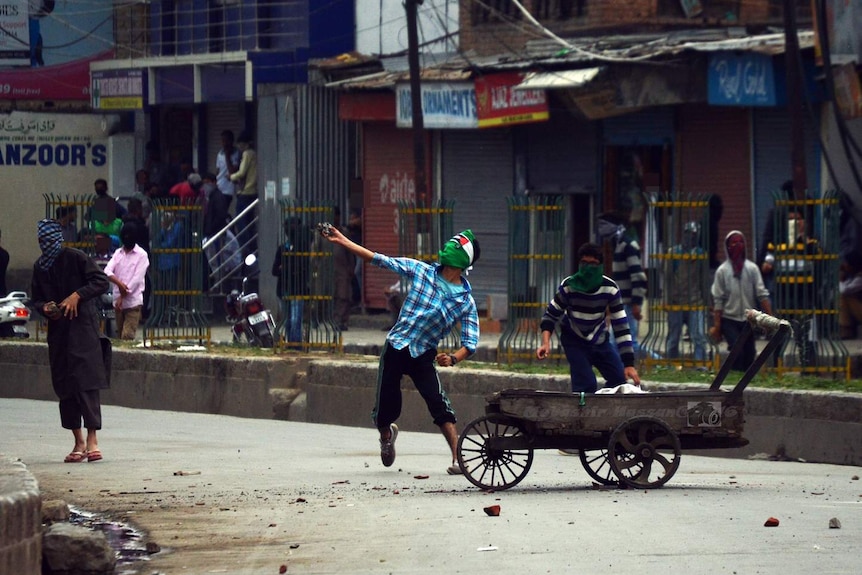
(490, 101)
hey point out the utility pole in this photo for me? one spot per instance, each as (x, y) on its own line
(794, 101)
(416, 98)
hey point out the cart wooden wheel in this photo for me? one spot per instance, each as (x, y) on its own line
(488, 467)
(644, 452)
(598, 466)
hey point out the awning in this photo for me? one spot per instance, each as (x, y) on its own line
(562, 79)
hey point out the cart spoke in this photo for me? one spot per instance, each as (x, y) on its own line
(664, 461)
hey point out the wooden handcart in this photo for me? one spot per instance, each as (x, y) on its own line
(630, 439)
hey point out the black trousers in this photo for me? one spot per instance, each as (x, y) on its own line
(394, 364)
(83, 406)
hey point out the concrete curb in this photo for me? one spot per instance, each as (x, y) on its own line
(20, 520)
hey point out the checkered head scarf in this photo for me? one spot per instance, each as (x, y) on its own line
(50, 236)
(461, 251)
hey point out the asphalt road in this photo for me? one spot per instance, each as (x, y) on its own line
(259, 494)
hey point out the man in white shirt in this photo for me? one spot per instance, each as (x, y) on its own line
(227, 163)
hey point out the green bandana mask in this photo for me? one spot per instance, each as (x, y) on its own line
(587, 279)
(459, 251)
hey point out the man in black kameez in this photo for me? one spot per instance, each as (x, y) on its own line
(75, 350)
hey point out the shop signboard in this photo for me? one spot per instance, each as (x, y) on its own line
(741, 80)
(118, 89)
(500, 104)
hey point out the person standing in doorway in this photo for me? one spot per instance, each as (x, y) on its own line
(628, 271)
(686, 280)
(227, 163)
(246, 193)
(439, 297)
(79, 358)
(344, 263)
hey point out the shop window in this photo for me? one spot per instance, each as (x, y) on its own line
(493, 11)
(559, 9)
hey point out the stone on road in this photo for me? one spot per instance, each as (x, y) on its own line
(316, 499)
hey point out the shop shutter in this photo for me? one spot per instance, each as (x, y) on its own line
(478, 176)
(561, 156)
(772, 159)
(387, 179)
(714, 158)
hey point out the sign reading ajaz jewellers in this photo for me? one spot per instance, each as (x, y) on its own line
(499, 104)
(490, 101)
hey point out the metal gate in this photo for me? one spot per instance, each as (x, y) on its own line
(305, 272)
(679, 290)
(177, 270)
(806, 264)
(536, 267)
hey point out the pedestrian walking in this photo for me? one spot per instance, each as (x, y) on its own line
(127, 270)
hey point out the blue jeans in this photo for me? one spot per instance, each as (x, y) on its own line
(293, 321)
(582, 356)
(695, 320)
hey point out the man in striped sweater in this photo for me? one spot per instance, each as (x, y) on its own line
(627, 269)
(579, 307)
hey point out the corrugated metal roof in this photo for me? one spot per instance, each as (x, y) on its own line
(548, 54)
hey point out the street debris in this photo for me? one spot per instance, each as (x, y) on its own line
(283, 569)
(834, 523)
(492, 510)
(420, 477)
(187, 472)
(771, 522)
(489, 548)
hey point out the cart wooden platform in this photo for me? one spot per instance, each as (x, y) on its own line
(630, 439)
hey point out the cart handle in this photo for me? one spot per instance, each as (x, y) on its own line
(778, 329)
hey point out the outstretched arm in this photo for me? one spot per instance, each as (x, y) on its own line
(336, 237)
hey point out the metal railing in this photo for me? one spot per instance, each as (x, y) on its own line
(224, 252)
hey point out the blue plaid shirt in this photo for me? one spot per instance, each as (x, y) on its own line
(428, 313)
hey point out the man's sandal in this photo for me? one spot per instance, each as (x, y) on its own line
(76, 457)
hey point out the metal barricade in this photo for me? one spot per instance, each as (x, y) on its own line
(73, 213)
(804, 256)
(536, 268)
(177, 270)
(678, 296)
(305, 273)
(423, 228)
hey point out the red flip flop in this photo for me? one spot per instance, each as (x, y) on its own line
(76, 457)
(94, 455)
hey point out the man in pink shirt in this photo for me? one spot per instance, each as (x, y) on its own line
(127, 270)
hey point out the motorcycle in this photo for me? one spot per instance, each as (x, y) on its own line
(249, 318)
(14, 315)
